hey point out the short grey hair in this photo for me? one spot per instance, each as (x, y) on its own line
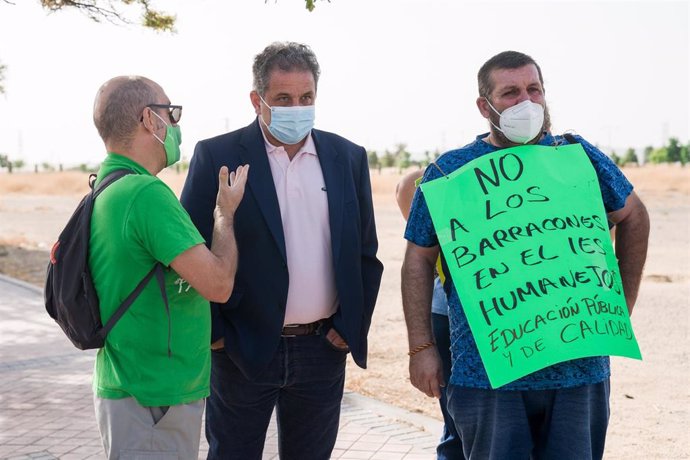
(286, 56)
(119, 105)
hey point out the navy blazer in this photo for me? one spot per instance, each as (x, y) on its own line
(252, 319)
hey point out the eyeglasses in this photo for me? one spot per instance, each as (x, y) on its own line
(174, 111)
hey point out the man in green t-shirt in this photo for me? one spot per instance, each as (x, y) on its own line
(152, 375)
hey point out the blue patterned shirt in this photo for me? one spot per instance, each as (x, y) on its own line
(468, 370)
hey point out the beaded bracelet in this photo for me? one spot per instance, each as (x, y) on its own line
(416, 350)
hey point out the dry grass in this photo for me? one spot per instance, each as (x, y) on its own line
(648, 178)
(76, 183)
(53, 183)
(660, 178)
(64, 183)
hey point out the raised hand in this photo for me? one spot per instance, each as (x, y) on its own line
(230, 189)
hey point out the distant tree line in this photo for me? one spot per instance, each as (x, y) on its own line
(18, 165)
(400, 158)
(673, 152)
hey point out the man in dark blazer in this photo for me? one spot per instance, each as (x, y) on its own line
(307, 276)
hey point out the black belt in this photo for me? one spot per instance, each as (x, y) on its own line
(294, 330)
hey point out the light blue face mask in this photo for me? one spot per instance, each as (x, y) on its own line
(290, 124)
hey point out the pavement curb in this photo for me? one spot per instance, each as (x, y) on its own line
(21, 284)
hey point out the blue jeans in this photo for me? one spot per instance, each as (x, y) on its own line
(563, 424)
(450, 445)
(304, 382)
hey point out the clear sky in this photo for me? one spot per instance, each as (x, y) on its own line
(393, 71)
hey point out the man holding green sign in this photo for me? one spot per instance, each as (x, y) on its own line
(538, 297)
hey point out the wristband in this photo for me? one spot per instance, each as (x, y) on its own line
(422, 347)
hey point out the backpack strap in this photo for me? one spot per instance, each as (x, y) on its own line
(88, 200)
(156, 271)
(107, 180)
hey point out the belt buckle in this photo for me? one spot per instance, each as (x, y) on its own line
(288, 326)
(308, 329)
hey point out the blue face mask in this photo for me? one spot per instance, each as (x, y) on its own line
(290, 124)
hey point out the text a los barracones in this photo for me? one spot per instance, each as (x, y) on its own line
(501, 237)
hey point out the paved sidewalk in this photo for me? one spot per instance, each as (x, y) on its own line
(46, 409)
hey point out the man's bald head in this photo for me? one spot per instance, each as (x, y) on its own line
(118, 107)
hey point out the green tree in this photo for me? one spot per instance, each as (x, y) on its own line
(659, 156)
(5, 163)
(673, 150)
(684, 154)
(18, 164)
(388, 159)
(630, 157)
(311, 4)
(402, 156)
(98, 10)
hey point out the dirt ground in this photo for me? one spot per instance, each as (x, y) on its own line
(650, 401)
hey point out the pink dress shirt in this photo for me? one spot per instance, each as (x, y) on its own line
(304, 212)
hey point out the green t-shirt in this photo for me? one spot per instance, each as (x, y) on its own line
(137, 221)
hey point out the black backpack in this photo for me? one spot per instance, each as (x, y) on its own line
(70, 296)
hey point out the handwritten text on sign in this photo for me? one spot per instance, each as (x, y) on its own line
(526, 239)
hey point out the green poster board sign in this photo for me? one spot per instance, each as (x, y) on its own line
(526, 240)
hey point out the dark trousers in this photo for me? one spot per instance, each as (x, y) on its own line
(450, 446)
(563, 424)
(304, 383)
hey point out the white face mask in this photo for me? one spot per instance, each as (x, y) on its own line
(522, 122)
